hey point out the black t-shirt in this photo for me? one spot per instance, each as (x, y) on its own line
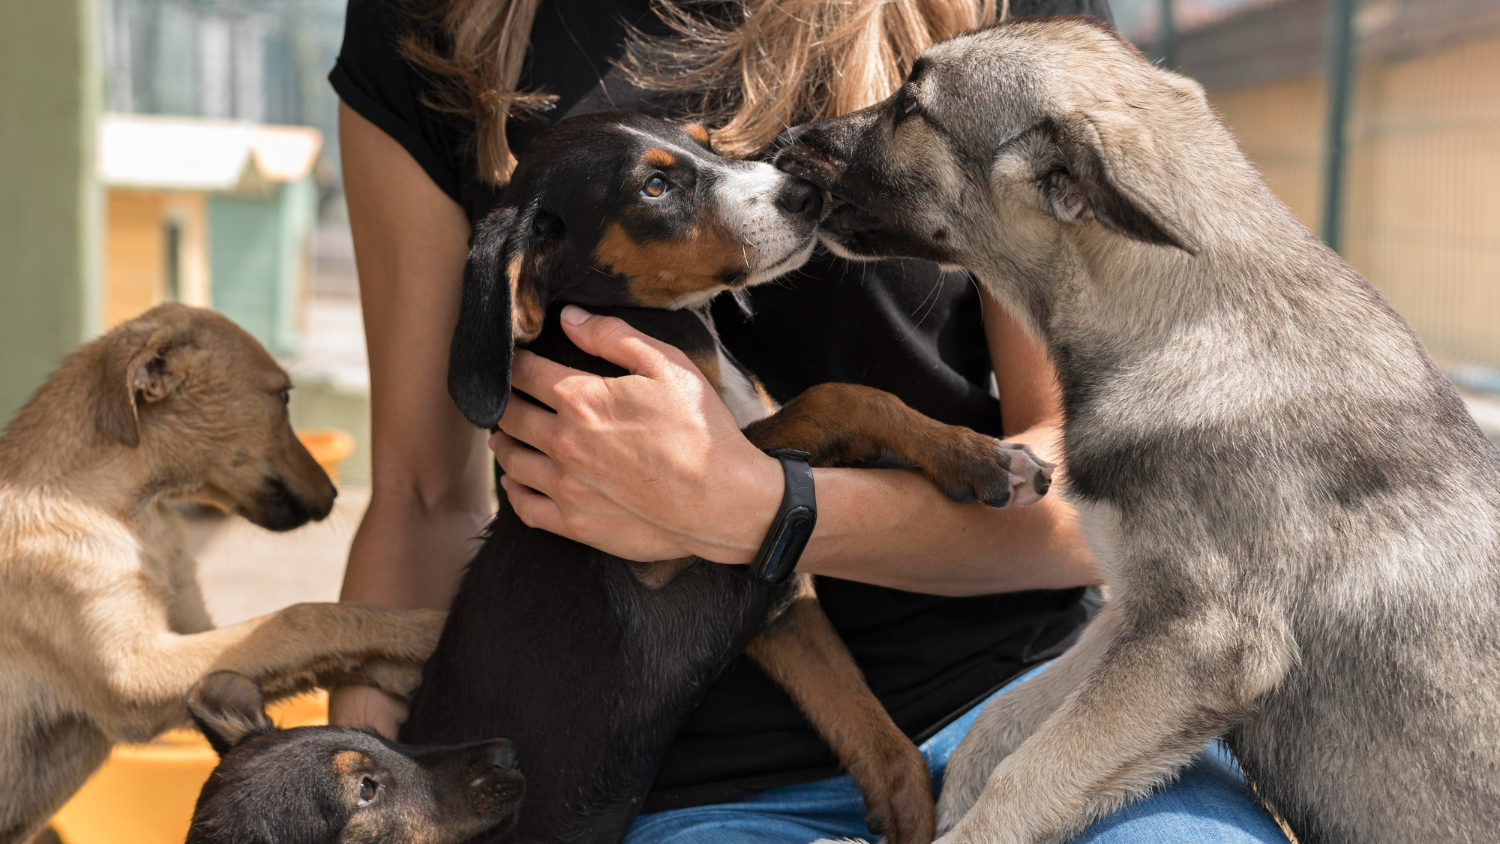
(902, 326)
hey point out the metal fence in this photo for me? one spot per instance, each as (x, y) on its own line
(1390, 150)
(261, 61)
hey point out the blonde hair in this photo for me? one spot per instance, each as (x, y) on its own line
(772, 64)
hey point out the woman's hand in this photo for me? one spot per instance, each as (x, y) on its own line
(647, 466)
(366, 708)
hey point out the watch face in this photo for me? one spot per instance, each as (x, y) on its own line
(796, 528)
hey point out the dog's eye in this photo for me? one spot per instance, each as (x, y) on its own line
(285, 394)
(909, 102)
(368, 791)
(655, 187)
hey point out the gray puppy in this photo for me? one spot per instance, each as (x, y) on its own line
(1297, 520)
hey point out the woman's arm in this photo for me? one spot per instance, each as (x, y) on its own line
(651, 466)
(958, 549)
(431, 483)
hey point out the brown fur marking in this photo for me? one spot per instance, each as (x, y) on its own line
(661, 272)
(707, 362)
(802, 652)
(527, 312)
(350, 762)
(659, 158)
(699, 134)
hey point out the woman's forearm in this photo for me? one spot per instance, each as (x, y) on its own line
(431, 482)
(408, 557)
(892, 527)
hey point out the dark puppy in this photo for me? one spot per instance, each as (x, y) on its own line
(319, 785)
(588, 663)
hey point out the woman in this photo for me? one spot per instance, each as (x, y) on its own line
(942, 604)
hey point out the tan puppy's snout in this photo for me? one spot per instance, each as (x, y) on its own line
(294, 492)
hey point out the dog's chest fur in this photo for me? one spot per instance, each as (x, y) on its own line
(740, 394)
(1297, 477)
(70, 574)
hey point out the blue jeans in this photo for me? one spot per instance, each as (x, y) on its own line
(1209, 804)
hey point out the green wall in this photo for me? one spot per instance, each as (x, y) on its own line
(257, 246)
(50, 201)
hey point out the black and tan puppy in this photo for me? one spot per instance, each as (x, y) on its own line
(591, 664)
(335, 785)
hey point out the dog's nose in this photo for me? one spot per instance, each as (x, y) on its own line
(501, 753)
(801, 199)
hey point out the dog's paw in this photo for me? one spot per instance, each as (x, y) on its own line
(898, 797)
(429, 628)
(980, 468)
(408, 635)
(962, 785)
(969, 769)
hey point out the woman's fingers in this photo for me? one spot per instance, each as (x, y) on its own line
(526, 465)
(535, 426)
(363, 706)
(535, 509)
(616, 341)
(539, 378)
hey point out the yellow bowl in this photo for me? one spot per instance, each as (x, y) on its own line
(328, 446)
(145, 793)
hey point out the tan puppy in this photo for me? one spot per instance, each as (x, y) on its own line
(103, 628)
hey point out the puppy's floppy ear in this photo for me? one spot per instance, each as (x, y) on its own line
(505, 294)
(229, 708)
(1112, 173)
(133, 370)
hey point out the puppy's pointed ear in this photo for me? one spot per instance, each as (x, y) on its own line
(505, 294)
(133, 370)
(1112, 172)
(229, 708)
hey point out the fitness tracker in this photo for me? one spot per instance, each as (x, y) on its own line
(794, 522)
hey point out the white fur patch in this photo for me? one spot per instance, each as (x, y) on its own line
(746, 403)
(745, 199)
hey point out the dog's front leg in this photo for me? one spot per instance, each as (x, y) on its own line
(287, 652)
(1160, 690)
(846, 423)
(802, 652)
(1011, 718)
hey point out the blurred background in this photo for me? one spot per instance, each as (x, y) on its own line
(155, 150)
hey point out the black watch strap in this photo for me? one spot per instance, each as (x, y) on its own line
(794, 520)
